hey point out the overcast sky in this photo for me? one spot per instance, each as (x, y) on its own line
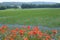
(29, 0)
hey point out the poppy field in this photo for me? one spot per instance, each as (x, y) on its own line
(38, 24)
(27, 33)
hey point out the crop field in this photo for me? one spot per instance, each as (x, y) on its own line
(49, 17)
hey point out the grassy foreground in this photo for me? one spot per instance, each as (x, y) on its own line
(43, 16)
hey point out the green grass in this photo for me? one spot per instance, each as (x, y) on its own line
(43, 16)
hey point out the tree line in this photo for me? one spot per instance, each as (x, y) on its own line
(7, 7)
(40, 5)
(31, 6)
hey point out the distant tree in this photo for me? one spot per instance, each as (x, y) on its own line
(12, 6)
(41, 5)
(2, 7)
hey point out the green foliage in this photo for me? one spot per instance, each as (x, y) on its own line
(2, 7)
(57, 5)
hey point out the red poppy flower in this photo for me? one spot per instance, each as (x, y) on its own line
(21, 32)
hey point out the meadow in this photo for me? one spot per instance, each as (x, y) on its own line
(49, 17)
(36, 24)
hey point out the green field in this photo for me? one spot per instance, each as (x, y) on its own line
(43, 16)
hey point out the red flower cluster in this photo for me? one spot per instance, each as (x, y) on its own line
(26, 33)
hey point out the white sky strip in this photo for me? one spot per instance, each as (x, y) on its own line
(30, 1)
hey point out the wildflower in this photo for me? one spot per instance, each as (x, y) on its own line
(11, 39)
(40, 34)
(14, 35)
(25, 38)
(17, 29)
(21, 32)
(3, 31)
(36, 28)
(48, 36)
(0, 29)
(30, 33)
(13, 31)
(4, 26)
(28, 27)
(23, 26)
(54, 31)
(46, 39)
